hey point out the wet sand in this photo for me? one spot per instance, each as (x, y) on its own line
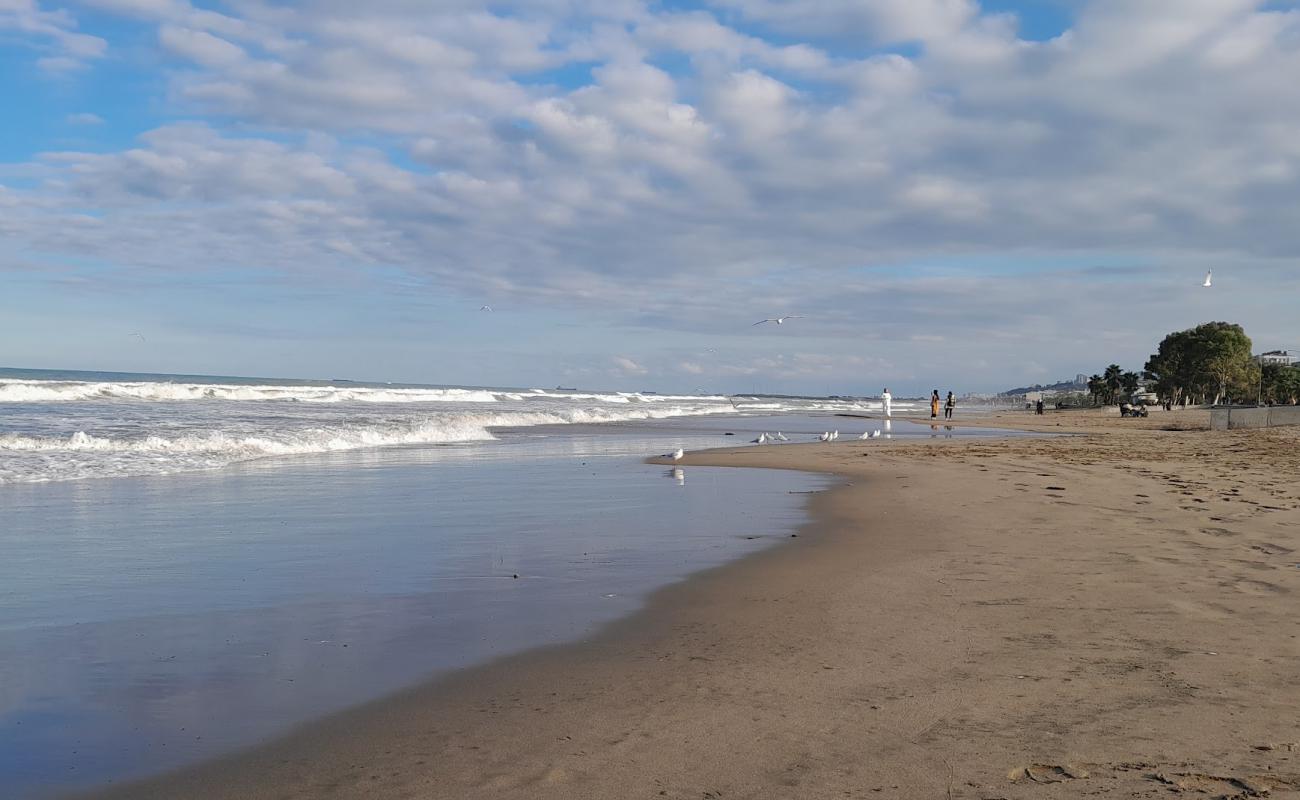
(1111, 613)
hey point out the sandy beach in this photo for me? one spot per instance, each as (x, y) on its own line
(1108, 613)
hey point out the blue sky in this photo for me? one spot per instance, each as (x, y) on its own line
(954, 193)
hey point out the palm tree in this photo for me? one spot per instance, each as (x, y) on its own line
(1130, 380)
(1114, 378)
(1097, 388)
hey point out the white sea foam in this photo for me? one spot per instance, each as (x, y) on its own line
(27, 391)
(49, 391)
(63, 429)
(28, 458)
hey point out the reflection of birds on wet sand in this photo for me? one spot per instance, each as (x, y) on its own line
(678, 474)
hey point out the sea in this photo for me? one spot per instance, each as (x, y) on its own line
(190, 565)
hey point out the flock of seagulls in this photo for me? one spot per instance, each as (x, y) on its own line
(764, 438)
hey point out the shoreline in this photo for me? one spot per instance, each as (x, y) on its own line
(921, 637)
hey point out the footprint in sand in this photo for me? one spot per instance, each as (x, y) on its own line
(1268, 548)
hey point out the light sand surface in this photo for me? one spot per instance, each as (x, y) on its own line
(1113, 614)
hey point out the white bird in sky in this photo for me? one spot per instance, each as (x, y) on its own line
(140, 336)
(485, 308)
(1209, 278)
(779, 320)
(677, 454)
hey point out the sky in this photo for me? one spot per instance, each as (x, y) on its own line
(951, 194)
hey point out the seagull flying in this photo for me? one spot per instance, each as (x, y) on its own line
(779, 320)
(485, 308)
(140, 336)
(1209, 278)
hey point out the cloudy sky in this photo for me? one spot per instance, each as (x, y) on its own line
(957, 194)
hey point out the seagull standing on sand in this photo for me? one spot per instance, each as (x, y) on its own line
(1209, 278)
(865, 435)
(781, 437)
(677, 454)
(825, 437)
(835, 435)
(762, 439)
(778, 320)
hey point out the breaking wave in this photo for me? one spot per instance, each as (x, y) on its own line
(27, 458)
(49, 391)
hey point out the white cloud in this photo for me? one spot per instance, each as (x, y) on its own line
(200, 47)
(85, 118)
(627, 366)
(877, 20)
(455, 146)
(53, 32)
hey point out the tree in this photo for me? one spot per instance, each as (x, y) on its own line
(1168, 368)
(1281, 384)
(1097, 389)
(1113, 377)
(1129, 382)
(1209, 362)
(1224, 351)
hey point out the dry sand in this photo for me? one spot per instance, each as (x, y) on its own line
(1107, 614)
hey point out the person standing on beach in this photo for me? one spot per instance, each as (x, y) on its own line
(888, 400)
(949, 406)
(934, 404)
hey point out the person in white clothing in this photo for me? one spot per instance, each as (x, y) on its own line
(888, 400)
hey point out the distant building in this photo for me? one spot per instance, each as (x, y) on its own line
(1279, 357)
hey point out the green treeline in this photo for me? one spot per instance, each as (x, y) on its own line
(1211, 363)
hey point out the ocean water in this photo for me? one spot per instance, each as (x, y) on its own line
(192, 565)
(76, 425)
